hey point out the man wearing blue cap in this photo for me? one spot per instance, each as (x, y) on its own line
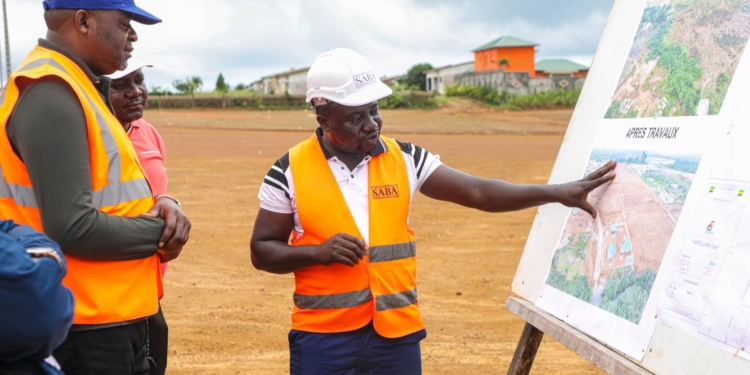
(69, 170)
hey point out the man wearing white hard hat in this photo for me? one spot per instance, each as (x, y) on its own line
(129, 97)
(344, 197)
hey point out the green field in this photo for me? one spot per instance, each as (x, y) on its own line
(568, 271)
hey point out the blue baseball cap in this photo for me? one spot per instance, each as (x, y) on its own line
(139, 15)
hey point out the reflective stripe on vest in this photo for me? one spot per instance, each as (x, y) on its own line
(105, 291)
(382, 287)
(352, 299)
(333, 301)
(377, 254)
(23, 195)
(393, 252)
(110, 195)
(115, 192)
(396, 300)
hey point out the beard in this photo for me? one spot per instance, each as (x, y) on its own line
(359, 147)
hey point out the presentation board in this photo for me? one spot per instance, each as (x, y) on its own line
(664, 269)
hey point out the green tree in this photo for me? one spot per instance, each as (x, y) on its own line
(221, 85)
(415, 77)
(239, 87)
(190, 85)
(157, 91)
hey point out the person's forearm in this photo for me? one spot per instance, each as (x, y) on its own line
(94, 235)
(501, 196)
(281, 258)
(448, 184)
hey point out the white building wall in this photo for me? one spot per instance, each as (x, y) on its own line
(294, 82)
(257, 86)
(268, 85)
(438, 78)
(297, 83)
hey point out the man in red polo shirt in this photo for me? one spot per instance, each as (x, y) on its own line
(129, 96)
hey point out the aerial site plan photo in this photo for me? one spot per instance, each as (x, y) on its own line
(612, 261)
(683, 58)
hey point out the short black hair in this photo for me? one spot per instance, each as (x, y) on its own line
(56, 18)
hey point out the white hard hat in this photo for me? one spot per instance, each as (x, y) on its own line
(133, 65)
(345, 77)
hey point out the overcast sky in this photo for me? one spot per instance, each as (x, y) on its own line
(249, 39)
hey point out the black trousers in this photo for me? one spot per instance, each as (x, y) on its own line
(158, 337)
(121, 350)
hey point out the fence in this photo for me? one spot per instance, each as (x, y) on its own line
(519, 83)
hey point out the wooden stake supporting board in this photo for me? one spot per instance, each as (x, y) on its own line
(528, 344)
(539, 322)
(670, 352)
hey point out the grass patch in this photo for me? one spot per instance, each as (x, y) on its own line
(407, 100)
(570, 277)
(538, 100)
(577, 286)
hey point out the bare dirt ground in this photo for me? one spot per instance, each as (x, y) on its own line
(226, 317)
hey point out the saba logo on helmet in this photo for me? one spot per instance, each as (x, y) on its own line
(364, 79)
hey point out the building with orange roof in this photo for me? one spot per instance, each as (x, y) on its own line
(509, 64)
(508, 53)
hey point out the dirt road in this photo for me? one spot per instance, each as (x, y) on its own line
(226, 317)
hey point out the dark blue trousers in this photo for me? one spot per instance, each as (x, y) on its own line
(359, 352)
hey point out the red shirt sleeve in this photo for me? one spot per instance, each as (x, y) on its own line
(151, 153)
(149, 146)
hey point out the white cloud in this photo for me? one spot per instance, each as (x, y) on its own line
(25, 26)
(247, 39)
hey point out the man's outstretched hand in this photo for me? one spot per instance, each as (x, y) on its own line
(575, 193)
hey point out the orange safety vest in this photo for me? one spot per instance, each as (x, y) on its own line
(104, 291)
(382, 288)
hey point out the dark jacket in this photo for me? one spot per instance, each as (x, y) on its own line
(36, 310)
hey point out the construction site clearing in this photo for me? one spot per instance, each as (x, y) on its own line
(226, 317)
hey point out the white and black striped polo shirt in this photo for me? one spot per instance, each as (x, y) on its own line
(277, 191)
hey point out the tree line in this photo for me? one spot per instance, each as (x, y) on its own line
(194, 85)
(414, 80)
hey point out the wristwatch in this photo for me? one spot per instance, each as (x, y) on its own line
(37, 253)
(156, 198)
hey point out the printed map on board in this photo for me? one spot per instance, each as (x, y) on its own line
(683, 58)
(612, 261)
